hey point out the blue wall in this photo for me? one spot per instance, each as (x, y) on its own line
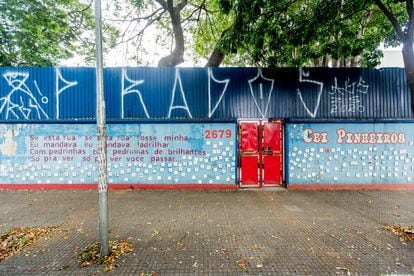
(50, 94)
(191, 153)
(350, 153)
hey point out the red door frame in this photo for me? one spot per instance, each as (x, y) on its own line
(250, 151)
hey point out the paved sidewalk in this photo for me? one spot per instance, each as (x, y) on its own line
(211, 232)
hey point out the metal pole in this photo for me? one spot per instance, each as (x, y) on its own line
(101, 128)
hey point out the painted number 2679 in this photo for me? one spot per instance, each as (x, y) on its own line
(217, 134)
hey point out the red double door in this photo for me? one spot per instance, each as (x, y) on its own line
(260, 153)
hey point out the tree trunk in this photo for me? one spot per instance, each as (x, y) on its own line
(216, 58)
(408, 57)
(177, 55)
(354, 62)
(324, 61)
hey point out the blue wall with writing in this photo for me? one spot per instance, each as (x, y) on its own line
(190, 153)
(50, 94)
(350, 153)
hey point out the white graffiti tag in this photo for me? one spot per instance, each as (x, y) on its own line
(349, 87)
(131, 89)
(345, 99)
(20, 102)
(350, 104)
(318, 97)
(173, 97)
(226, 83)
(260, 100)
(60, 89)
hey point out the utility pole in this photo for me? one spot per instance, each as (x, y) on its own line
(101, 127)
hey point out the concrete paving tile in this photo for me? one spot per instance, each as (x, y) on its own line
(211, 232)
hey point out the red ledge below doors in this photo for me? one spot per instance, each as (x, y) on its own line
(351, 187)
(119, 186)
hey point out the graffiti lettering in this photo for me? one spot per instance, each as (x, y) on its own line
(318, 97)
(226, 83)
(344, 98)
(219, 93)
(131, 89)
(61, 89)
(261, 102)
(184, 105)
(21, 102)
(351, 104)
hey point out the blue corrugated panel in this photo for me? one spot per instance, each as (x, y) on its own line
(31, 94)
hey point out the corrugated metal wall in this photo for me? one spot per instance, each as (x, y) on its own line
(50, 94)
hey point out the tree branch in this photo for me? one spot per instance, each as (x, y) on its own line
(177, 55)
(87, 6)
(146, 17)
(203, 7)
(410, 25)
(391, 17)
(409, 7)
(182, 4)
(217, 55)
(142, 30)
(198, 9)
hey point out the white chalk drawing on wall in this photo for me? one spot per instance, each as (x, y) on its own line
(226, 83)
(318, 97)
(260, 100)
(60, 90)
(43, 99)
(173, 97)
(131, 89)
(345, 99)
(20, 101)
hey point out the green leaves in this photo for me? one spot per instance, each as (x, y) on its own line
(225, 5)
(306, 32)
(40, 33)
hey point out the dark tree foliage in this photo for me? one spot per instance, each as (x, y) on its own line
(304, 33)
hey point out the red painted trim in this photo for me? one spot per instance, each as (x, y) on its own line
(174, 186)
(119, 186)
(202, 186)
(351, 187)
(47, 186)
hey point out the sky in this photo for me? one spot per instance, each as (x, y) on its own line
(392, 58)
